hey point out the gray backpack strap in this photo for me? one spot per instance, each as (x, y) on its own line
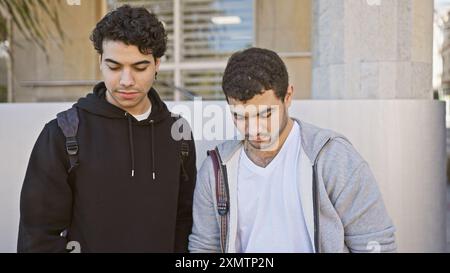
(68, 122)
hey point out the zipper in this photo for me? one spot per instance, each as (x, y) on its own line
(316, 211)
(316, 200)
(225, 179)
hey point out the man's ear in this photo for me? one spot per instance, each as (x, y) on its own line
(157, 63)
(289, 96)
(100, 58)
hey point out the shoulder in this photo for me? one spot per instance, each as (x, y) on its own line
(334, 153)
(53, 130)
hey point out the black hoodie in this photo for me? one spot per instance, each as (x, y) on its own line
(128, 194)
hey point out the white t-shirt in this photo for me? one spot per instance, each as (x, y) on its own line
(144, 116)
(270, 216)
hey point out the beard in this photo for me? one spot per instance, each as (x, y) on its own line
(267, 141)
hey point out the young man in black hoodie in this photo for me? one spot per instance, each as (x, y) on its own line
(132, 187)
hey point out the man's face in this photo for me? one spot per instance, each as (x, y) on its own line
(128, 75)
(261, 119)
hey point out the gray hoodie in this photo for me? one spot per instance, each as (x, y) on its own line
(341, 202)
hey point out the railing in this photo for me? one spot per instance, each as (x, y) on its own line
(77, 83)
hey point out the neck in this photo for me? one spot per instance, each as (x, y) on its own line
(262, 158)
(142, 109)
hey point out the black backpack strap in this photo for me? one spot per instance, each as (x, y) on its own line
(223, 204)
(184, 153)
(68, 122)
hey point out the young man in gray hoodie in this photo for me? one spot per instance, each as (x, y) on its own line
(288, 186)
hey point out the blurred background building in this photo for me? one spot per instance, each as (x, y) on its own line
(202, 35)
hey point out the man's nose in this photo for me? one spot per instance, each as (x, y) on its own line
(126, 78)
(252, 127)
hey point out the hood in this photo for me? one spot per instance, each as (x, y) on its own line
(313, 140)
(96, 103)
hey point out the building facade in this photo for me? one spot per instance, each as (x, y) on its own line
(200, 42)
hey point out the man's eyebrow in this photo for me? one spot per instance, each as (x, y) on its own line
(269, 109)
(117, 63)
(112, 61)
(142, 62)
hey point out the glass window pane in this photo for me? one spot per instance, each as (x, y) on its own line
(164, 85)
(214, 29)
(204, 83)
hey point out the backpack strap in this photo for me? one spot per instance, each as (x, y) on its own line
(184, 152)
(68, 122)
(223, 204)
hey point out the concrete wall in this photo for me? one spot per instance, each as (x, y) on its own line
(403, 141)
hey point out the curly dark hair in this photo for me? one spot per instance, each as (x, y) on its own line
(133, 26)
(252, 72)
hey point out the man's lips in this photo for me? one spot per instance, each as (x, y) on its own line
(127, 95)
(258, 139)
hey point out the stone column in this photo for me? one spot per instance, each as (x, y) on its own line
(380, 52)
(372, 49)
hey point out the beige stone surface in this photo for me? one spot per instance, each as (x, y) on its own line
(372, 49)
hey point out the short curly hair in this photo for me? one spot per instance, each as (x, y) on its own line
(252, 72)
(132, 26)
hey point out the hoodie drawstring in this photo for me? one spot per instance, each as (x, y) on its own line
(130, 135)
(153, 149)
